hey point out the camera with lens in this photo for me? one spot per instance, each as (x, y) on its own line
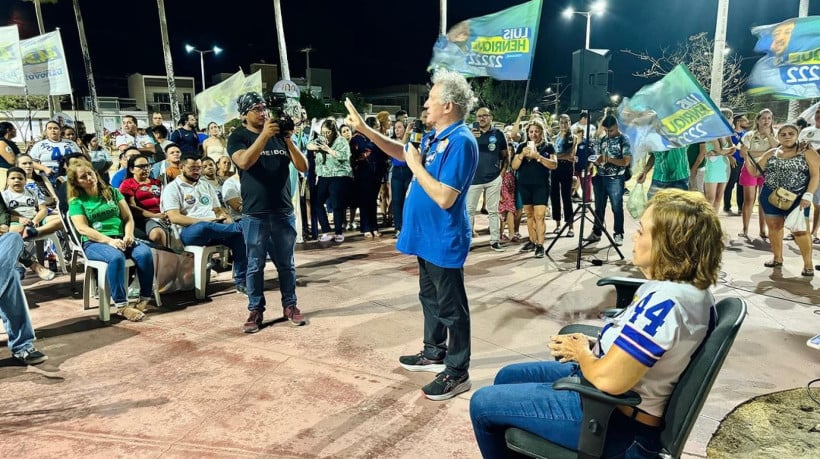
(281, 109)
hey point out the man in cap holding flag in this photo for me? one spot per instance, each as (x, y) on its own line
(263, 152)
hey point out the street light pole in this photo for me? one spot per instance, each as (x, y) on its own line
(716, 86)
(202, 52)
(597, 7)
(307, 52)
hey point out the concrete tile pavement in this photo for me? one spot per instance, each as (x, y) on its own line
(188, 383)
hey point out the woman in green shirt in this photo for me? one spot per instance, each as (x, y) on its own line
(100, 214)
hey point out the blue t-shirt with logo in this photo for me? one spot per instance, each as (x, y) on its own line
(490, 146)
(441, 236)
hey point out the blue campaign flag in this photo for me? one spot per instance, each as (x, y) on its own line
(791, 65)
(499, 45)
(670, 113)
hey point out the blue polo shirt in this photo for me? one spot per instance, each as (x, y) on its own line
(441, 236)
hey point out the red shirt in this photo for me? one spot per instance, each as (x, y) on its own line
(146, 195)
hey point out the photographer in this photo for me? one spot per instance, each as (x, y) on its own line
(263, 151)
(335, 178)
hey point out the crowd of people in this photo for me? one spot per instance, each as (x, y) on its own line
(263, 190)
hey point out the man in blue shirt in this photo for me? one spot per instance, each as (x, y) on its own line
(186, 136)
(437, 229)
(740, 123)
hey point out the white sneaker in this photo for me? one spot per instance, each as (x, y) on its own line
(339, 238)
(619, 239)
(325, 238)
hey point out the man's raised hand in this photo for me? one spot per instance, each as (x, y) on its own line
(354, 119)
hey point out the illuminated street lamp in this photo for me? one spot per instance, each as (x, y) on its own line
(216, 50)
(596, 8)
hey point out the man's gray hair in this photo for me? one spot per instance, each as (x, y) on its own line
(455, 89)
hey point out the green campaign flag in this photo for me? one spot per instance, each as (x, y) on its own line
(499, 45)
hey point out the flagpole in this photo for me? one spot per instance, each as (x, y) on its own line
(534, 42)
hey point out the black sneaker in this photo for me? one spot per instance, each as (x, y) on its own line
(446, 386)
(497, 247)
(254, 322)
(593, 238)
(30, 356)
(539, 251)
(419, 362)
(528, 247)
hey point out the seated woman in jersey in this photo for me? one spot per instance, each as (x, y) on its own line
(142, 194)
(678, 247)
(101, 215)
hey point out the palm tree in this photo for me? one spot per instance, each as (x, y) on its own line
(280, 35)
(92, 88)
(53, 102)
(169, 64)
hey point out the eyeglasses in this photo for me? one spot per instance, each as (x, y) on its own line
(142, 166)
(259, 109)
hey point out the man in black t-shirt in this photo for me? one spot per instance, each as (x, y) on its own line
(186, 136)
(263, 154)
(492, 154)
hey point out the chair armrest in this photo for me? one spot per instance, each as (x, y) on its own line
(587, 390)
(597, 408)
(625, 288)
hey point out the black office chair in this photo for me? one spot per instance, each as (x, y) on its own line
(681, 411)
(625, 288)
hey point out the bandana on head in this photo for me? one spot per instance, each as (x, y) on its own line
(247, 101)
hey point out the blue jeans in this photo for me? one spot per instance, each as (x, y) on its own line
(274, 235)
(522, 396)
(399, 182)
(115, 273)
(611, 187)
(13, 309)
(227, 234)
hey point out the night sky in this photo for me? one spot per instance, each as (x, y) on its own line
(367, 43)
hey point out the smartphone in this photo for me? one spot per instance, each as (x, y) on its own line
(531, 145)
(475, 126)
(814, 342)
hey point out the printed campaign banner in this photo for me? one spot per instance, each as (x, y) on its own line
(791, 65)
(499, 45)
(44, 66)
(670, 113)
(11, 61)
(218, 103)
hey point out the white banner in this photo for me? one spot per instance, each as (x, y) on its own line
(11, 62)
(44, 65)
(218, 103)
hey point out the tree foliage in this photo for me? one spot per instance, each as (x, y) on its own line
(8, 103)
(314, 106)
(504, 98)
(696, 54)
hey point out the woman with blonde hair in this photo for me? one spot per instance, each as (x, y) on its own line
(533, 161)
(678, 246)
(214, 146)
(101, 215)
(752, 146)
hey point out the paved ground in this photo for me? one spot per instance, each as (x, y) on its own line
(187, 383)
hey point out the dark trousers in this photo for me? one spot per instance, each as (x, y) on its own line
(400, 181)
(561, 190)
(313, 190)
(367, 193)
(335, 189)
(446, 315)
(734, 175)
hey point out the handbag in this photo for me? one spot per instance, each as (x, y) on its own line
(780, 197)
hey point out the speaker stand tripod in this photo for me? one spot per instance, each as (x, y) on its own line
(580, 213)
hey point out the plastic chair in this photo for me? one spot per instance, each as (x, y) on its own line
(94, 274)
(682, 409)
(56, 241)
(202, 268)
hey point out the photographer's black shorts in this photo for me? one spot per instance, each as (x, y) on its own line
(533, 195)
